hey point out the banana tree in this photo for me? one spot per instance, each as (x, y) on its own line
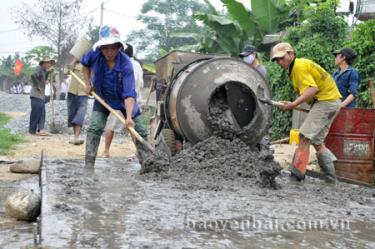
(229, 32)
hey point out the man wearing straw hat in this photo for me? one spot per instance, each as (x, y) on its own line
(37, 97)
(113, 80)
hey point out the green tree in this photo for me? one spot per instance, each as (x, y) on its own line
(54, 21)
(7, 69)
(163, 18)
(231, 30)
(34, 55)
(362, 42)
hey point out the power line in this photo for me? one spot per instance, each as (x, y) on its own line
(10, 30)
(13, 52)
(118, 13)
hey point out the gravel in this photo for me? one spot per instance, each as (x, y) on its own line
(21, 103)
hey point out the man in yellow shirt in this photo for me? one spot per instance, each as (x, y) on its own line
(316, 87)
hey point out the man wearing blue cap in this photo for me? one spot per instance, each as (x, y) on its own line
(250, 56)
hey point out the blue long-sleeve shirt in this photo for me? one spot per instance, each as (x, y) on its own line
(347, 83)
(113, 85)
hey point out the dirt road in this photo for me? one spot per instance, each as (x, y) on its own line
(114, 206)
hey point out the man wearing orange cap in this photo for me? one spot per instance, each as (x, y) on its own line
(316, 87)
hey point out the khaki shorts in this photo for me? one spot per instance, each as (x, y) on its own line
(113, 123)
(317, 123)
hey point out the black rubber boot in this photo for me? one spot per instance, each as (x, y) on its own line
(325, 161)
(295, 174)
(92, 145)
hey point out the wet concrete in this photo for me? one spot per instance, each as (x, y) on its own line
(221, 159)
(13, 233)
(218, 163)
(115, 207)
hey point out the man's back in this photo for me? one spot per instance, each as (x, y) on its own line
(306, 73)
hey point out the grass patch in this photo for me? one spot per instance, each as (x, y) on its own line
(8, 141)
(4, 119)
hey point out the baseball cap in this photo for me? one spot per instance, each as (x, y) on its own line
(280, 50)
(347, 52)
(248, 49)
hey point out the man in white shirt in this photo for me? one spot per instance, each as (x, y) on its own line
(113, 124)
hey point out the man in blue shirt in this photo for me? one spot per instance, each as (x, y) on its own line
(113, 80)
(346, 77)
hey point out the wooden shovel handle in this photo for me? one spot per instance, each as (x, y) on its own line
(372, 92)
(277, 103)
(118, 116)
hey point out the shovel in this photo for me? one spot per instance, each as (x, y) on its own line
(149, 95)
(52, 127)
(277, 103)
(132, 131)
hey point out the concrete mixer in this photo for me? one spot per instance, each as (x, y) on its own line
(194, 82)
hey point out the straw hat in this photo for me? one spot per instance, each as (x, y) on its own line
(47, 59)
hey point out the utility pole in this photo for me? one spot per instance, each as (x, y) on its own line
(101, 14)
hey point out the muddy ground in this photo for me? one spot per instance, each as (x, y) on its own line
(115, 207)
(203, 200)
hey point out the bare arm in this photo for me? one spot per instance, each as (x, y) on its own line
(129, 106)
(348, 100)
(308, 94)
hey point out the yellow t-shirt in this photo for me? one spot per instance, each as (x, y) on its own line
(306, 73)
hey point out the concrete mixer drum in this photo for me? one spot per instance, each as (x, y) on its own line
(200, 84)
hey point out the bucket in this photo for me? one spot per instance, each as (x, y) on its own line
(80, 47)
(294, 136)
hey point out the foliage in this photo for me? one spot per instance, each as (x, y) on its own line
(281, 87)
(7, 140)
(163, 18)
(362, 42)
(229, 32)
(7, 66)
(149, 67)
(34, 55)
(93, 33)
(230, 39)
(54, 21)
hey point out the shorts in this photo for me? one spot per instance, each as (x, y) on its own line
(77, 107)
(114, 124)
(318, 121)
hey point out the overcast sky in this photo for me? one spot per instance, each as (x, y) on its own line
(119, 13)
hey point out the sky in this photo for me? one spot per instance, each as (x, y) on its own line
(119, 13)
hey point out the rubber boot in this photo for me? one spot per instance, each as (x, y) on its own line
(92, 145)
(325, 161)
(299, 163)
